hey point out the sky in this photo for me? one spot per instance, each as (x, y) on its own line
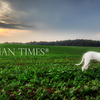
(49, 20)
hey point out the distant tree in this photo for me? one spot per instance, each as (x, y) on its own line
(77, 42)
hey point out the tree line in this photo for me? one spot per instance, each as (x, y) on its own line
(77, 42)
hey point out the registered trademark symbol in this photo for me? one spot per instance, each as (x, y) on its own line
(46, 50)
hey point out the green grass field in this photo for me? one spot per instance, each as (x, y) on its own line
(48, 75)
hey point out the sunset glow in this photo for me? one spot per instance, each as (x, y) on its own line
(1, 31)
(4, 32)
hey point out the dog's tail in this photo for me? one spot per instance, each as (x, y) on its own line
(81, 61)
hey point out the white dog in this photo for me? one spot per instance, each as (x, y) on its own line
(87, 57)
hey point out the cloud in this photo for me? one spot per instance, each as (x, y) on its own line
(49, 14)
(5, 10)
(50, 19)
(10, 18)
(14, 26)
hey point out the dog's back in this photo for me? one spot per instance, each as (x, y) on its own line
(94, 55)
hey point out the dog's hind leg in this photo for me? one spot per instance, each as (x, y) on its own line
(86, 67)
(86, 64)
(83, 67)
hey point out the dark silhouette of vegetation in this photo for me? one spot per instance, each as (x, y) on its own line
(77, 42)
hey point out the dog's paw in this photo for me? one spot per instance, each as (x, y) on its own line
(82, 69)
